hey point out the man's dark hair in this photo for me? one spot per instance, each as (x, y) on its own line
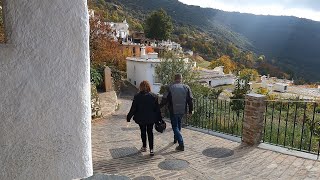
(178, 77)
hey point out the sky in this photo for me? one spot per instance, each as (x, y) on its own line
(309, 9)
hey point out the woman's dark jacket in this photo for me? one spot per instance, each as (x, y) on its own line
(145, 109)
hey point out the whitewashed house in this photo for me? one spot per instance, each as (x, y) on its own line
(170, 45)
(143, 68)
(121, 29)
(275, 84)
(280, 87)
(189, 52)
(91, 13)
(216, 77)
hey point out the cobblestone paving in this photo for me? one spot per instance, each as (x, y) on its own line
(246, 162)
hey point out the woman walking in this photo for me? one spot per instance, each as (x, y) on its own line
(145, 111)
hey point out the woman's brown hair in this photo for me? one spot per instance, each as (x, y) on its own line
(145, 86)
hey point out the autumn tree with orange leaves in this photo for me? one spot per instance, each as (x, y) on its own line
(229, 65)
(2, 36)
(104, 48)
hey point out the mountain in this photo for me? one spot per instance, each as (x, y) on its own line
(289, 42)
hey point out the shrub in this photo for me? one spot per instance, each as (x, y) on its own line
(95, 76)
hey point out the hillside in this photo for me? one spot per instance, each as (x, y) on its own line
(289, 42)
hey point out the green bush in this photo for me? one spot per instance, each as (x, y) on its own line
(95, 76)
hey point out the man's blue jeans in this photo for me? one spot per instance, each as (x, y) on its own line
(176, 127)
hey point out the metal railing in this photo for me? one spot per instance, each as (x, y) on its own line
(293, 124)
(218, 115)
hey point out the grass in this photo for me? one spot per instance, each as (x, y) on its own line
(203, 64)
(216, 115)
(294, 128)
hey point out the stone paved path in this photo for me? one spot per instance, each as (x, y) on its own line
(111, 139)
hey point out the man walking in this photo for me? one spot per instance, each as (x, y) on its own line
(178, 97)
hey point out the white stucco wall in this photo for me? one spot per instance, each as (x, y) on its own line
(45, 130)
(221, 81)
(139, 71)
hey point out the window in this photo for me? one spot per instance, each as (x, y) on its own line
(2, 34)
(156, 79)
(134, 51)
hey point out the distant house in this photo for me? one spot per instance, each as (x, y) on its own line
(138, 37)
(91, 13)
(280, 87)
(216, 77)
(118, 30)
(131, 48)
(121, 29)
(143, 68)
(275, 84)
(170, 45)
(189, 52)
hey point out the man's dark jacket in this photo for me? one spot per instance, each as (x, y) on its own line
(179, 99)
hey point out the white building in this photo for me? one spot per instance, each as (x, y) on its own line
(170, 45)
(275, 84)
(121, 29)
(280, 87)
(189, 52)
(91, 13)
(45, 114)
(216, 77)
(143, 68)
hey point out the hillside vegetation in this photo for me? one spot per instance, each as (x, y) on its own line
(286, 42)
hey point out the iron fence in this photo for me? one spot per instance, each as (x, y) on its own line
(293, 124)
(224, 116)
(290, 124)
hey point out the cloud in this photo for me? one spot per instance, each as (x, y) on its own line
(309, 9)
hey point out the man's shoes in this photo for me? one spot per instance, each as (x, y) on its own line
(180, 148)
(151, 152)
(175, 141)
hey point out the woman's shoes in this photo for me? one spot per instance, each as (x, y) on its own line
(151, 152)
(143, 149)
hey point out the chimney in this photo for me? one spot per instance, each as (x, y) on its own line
(143, 52)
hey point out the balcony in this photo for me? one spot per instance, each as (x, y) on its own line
(210, 153)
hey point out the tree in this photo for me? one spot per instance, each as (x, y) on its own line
(104, 49)
(171, 65)
(263, 91)
(241, 89)
(229, 65)
(158, 25)
(201, 91)
(251, 74)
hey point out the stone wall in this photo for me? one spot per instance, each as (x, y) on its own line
(109, 103)
(45, 114)
(108, 81)
(95, 103)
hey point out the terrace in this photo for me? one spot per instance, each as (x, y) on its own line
(214, 150)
